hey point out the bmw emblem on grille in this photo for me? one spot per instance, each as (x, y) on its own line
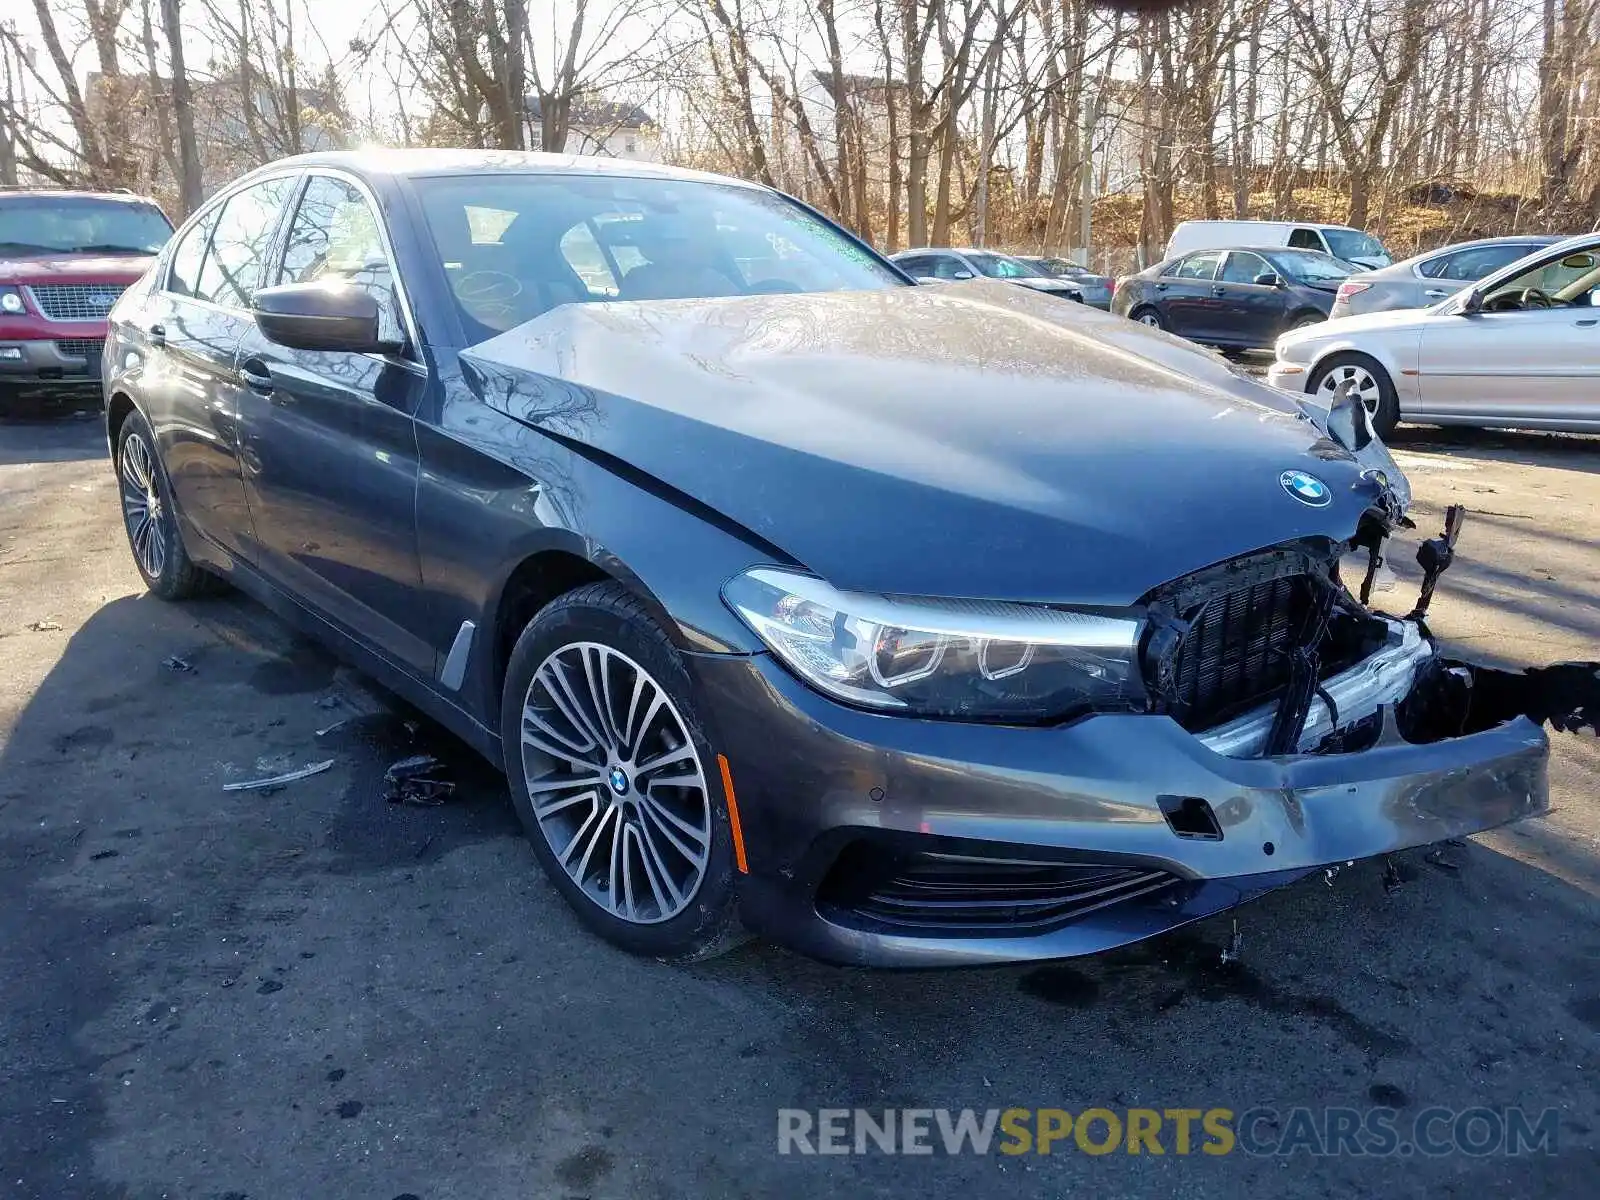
(1307, 489)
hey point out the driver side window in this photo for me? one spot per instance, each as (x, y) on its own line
(1550, 277)
(335, 236)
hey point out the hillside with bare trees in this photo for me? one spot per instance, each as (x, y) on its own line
(1031, 124)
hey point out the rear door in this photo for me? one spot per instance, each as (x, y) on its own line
(330, 449)
(1250, 313)
(194, 324)
(1184, 294)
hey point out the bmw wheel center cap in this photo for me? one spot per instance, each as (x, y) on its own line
(1307, 489)
(619, 781)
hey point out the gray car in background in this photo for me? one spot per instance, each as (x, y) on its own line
(1097, 289)
(939, 264)
(1426, 279)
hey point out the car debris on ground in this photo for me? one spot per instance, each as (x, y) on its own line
(276, 781)
(418, 780)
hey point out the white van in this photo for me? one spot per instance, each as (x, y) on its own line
(1338, 240)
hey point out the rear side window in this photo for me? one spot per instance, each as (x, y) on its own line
(1472, 265)
(1306, 239)
(1198, 266)
(233, 269)
(190, 252)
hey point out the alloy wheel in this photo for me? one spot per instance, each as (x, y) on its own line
(142, 509)
(615, 782)
(1363, 385)
(1151, 319)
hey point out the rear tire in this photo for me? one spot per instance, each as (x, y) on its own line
(626, 811)
(1307, 320)
(1372, 384)
(1148, 316)
(150, 518)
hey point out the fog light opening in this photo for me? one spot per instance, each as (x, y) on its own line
(1190, 817)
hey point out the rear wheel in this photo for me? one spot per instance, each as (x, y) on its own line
(150, 519)
(614, 780)
(1369, 383)
(1149, 317)
(1307, 320)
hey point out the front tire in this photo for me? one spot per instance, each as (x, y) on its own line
(1306, 321)
(614, 779)
(150, 518)
(1370, 383)
(1149, 317)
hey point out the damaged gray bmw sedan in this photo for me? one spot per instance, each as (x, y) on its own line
(906, 625)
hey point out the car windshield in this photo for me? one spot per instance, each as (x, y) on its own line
(1003, 266)
(38, 226)
(1312, 266)
(1351, 244)
(515, 246)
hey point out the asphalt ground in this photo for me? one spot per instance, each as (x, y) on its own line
(315, 993)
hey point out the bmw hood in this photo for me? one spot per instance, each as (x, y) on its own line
(977, 440)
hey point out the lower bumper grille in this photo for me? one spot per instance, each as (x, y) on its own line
(956, 894)
(79, 347)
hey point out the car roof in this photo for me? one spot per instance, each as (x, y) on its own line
(29, 193)
(1532, 239)
(420, 163)
(1274, 224)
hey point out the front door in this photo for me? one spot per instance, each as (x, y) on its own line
(1516, 358)
(330, 451)
(1252, 313)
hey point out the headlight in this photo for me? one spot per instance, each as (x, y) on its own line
(11, 301)
(975, 659)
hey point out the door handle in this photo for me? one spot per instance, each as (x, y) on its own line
(256, 376)
(1218, 290)
(1588, 322)
(1435, 293)
(157, 335)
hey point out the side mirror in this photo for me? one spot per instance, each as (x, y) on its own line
(321, 316)
(962, 275)
(1472, 302)
(1270, 279)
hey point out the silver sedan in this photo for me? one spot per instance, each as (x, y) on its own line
(1428, 278)
(1521, 348)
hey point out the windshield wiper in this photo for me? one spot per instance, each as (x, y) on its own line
(110, 248)
(28, 248)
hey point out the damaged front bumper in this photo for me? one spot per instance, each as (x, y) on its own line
(887, 841)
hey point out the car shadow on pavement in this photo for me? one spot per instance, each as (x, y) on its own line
(212, 993)
(66, 437)
(1566, 451)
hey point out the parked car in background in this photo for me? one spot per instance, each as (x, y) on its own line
(945, 265)
(1237, 299)
(1096, 289)
(1519, 348)
(1351, 245)
(907, 625)
(1426, 279)
(65, 257)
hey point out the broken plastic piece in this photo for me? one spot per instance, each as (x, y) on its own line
(418, 780)
(1434, 556)
(274, 781)
(174, 663)
(45, 626)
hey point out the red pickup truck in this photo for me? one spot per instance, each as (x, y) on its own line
(65, 258)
